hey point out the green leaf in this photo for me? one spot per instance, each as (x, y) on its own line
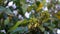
(6, 21)
(2, 9)
(42, 28)
(20, 29)
(8, 11)
(45, 24)
(24, 7)
(50, 27)
(22, 22)
(15, 26)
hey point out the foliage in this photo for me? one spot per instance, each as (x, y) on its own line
(40, 20)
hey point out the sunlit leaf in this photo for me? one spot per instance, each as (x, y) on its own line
(39, 7)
